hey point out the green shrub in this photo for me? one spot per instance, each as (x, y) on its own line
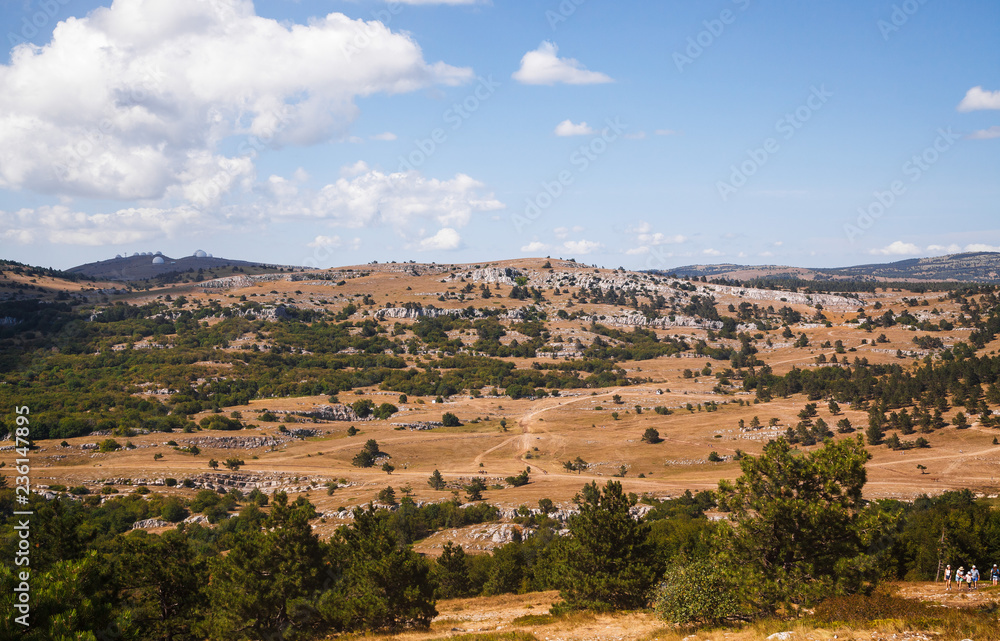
(109, 445)
(700, 592)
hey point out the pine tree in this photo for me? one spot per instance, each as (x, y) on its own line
(607, 562)
(798, 530)
(436, 481)
(452, 572)
(382, 585)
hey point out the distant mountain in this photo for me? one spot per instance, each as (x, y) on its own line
(157, 266)
(976, 267)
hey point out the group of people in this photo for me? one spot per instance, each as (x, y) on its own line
(969, 578)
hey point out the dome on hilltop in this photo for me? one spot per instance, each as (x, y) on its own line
(158, 260)
(200, 254)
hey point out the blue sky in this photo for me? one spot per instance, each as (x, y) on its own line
(641, 134)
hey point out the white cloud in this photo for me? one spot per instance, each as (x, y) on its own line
(61, 225)
(645, 238)
(981, 247)
(765, 254)
(978, 98)
(568, 128)
(712, 252)
(639, 135)
(157, 85)
(581, 247)
(986, 134)
(534, 247)
(365, 197)
(944, 249)
(326, 241)
(386, 136)
(897, 248)
(543, 67)
(445, 240)
(955, 248)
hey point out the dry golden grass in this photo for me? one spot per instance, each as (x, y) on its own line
(544, 433)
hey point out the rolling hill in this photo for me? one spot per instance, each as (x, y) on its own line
(139, 267)
(975, 267)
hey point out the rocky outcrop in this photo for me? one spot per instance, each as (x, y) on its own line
(636, 319)
(149, 524)
(243, 280)
(236, 442)
(502, 275)
(333, 413)
(416, 312)
(421, 425)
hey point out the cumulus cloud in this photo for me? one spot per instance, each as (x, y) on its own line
(569, 128)
(712, 252)
(365, 197)
(986, 134)
(898, 248)
(62, 225)
(644, 238)
(581, 247)
(563, 232)
(544, 67)
(445, 240)
(158, 85)
(955, 248)
(978, 98)
(386, 136)
(534, 247)
(326, 241)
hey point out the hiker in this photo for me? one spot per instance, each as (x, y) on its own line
(975, 578)
(969, 576)
(959, 577)
(995, 573)
(947, 577)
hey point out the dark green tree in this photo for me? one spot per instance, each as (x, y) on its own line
(798, 528)
(382, 585)
(607, 559)
(257, 588)
(452, 572)
(651, 435)
(474, 490)
(436, 481)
